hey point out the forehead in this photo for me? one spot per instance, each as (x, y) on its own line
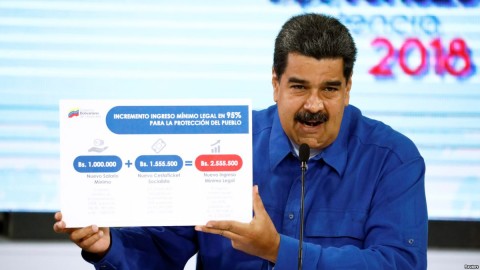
(310, 68)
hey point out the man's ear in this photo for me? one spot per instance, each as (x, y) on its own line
(276, 85)
(347, 91)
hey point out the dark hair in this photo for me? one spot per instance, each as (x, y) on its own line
(314, 35)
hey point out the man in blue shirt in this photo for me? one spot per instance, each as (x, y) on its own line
(365, 205)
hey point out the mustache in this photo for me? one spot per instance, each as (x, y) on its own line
(311, 117)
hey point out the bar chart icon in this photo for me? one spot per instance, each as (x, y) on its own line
(215, 147)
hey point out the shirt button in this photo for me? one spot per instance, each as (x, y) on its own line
(291, 216)
(411, 241)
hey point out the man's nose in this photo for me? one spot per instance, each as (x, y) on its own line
(313, 103)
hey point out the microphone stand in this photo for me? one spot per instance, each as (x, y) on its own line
(304, 154)
(302, 201)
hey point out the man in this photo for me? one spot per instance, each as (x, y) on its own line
(365, 204)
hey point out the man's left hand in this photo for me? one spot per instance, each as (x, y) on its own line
(258, 238)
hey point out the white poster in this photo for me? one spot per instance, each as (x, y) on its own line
(155, 162)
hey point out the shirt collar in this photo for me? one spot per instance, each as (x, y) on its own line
(335, 155)
(280, 145)
(296, 150)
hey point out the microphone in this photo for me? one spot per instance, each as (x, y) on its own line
(303, 155)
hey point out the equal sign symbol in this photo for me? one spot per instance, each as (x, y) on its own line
(188, 163)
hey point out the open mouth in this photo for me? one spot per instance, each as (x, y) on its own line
(311, 123)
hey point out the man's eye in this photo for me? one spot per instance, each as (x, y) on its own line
(331, 89)
(298, 86)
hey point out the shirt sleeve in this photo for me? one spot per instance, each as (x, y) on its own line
(395, 230)
(147, 248)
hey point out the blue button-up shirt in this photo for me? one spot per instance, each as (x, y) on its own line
(365, 207)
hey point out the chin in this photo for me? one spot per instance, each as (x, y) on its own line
(311, 142)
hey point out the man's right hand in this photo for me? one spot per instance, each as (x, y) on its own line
(91, 239)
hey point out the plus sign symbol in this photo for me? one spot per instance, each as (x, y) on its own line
(128, 163)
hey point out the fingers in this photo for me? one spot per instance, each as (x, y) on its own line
(77, 235)
(212, 230)
(233, 229)
(229, 229)
(82, 234)
(259, 237)
(87, 236)
(60, 226)
(258, 207)
(221, 225)
(91, 239)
